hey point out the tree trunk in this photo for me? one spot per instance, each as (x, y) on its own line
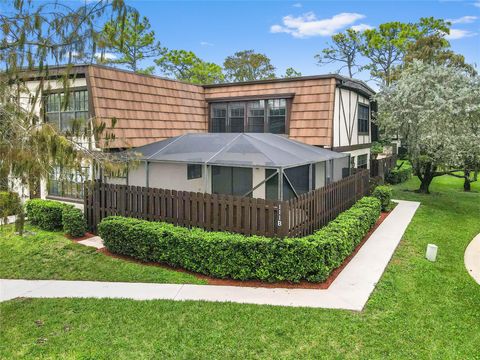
(426, 179)
(467, 183)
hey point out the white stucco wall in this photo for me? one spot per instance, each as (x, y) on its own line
(345, 119)
(360, 152)
(319, 175)
(258, 175)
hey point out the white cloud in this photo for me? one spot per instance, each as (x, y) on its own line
(106, 56)
(308, 25)
(361, 27)
(477, 3)
(297, 5)
(459, 34)
(463, 20)
(205, 43)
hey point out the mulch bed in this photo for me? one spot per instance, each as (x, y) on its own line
(254, 283)
(77, 239)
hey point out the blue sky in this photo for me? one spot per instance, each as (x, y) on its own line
(216, 29)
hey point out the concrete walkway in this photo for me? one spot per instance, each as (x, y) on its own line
(350, 290)
(472, 258)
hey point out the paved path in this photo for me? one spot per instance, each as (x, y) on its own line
(350, 290)
(95, 241)
(472, 258)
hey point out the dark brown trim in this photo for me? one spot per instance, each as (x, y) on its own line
(91, 108)
(287, 119)
(63, 90)
(352, 147)
(251, 97)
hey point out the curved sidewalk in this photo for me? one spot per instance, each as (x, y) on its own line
(350, 290)
(472, 258)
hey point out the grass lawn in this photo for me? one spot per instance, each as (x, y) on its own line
(419, 309)
(47, 255)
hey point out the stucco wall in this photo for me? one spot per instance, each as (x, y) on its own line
(345, 118)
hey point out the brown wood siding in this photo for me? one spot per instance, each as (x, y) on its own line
(147, 108)
(311, 115)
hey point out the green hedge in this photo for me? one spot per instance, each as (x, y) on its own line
(74, 223)
(384, 194)
(227, 255)
(46, 214)
(397, 176)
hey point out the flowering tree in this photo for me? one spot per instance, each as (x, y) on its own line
(434, 109)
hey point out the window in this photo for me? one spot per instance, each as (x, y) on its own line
(362, 161)
(276, 116)
(231, 180)
(219, 118)
(236, 116)
(194, 171)
(62, 110)
(363, 119)
(250, 116)
(68, 184)
(256, 117)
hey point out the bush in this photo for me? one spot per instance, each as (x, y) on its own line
(397, 176)
(73, 221)
(46, 214)
(384, 194)
(10, 204)
(227, 255)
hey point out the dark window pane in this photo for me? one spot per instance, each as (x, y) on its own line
(66, 120)
(194, 171)
(299, 178)
(256, 116)
(363, 119)
(231, 180)
(241, 181)
(271, 185)
(362, 161)
(219, 117)
(276, 116)
(236, 116)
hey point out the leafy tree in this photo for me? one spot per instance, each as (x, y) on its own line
(185, 65)
(432, 108)
(344, 49)
(248, 65)
(34, 36)
(291, 72)
(129, 37)
(435, 49)
(386, 45)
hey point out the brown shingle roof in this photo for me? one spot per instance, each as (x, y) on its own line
(147, 108)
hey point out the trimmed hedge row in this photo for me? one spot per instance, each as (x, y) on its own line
(227, 255)
(53, 215)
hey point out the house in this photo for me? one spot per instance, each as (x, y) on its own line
(325, 111)
(259, 165)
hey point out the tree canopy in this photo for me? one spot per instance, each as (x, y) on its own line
(247, 65)
(186, 66)
(128, 40)
(435, 110)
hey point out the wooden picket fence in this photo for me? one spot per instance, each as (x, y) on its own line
(214, 212)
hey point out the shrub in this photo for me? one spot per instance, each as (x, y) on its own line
(73, 221)
(46, 214)
(384, 194)
(227, 255)
(10, 203)
(397, 176)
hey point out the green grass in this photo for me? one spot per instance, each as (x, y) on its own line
(419, 310)
(49, 255)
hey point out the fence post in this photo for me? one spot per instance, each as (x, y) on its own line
(283, 225)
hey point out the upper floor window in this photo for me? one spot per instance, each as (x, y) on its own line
(255, 116)
(363, 119)
(62, 110)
